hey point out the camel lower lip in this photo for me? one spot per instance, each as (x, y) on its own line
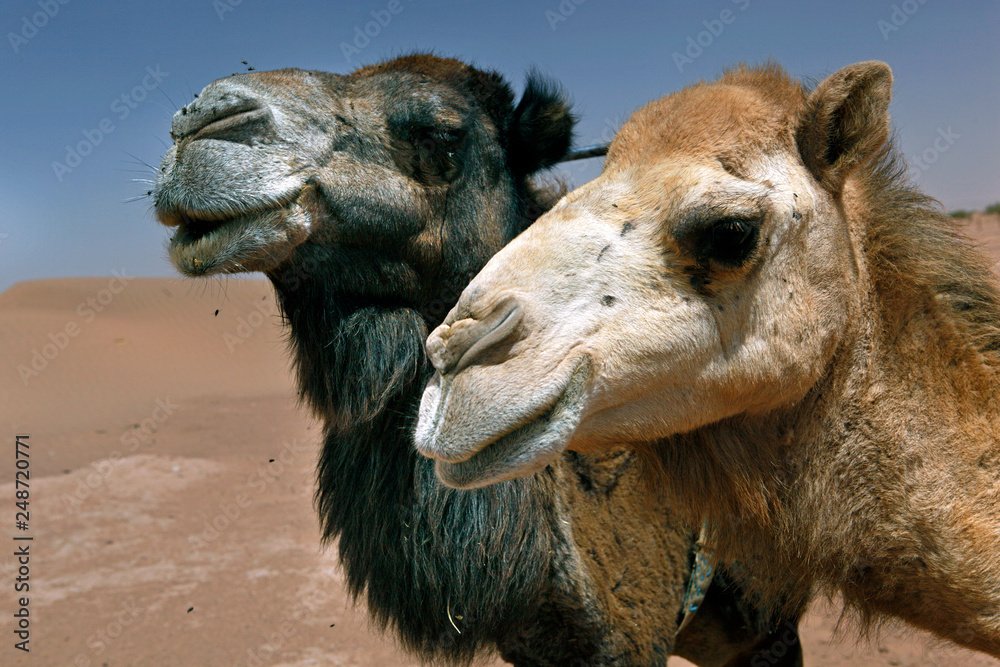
(497, 461)
(201, 247)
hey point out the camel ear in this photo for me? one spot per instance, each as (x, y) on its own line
(541, 130)
(846, 121)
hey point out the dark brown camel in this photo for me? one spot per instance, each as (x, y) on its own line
(370, 200)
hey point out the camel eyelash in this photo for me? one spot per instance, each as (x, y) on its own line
(724, 240)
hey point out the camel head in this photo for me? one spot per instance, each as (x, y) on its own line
(705, 275)
(369, 200)
(264, 163)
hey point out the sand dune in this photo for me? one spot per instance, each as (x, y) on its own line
(171, 482)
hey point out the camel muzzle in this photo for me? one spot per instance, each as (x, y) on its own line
(452, 347)
(226, 111)
(526, 442)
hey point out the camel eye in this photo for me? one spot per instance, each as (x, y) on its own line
(435, 159)
(726, 242)
(729, 241)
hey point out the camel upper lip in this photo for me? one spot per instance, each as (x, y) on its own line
(191, 228)
(245, 112)
(183, 217)
(526, 447)
(235, 122)
(194, 224)
(515, 433)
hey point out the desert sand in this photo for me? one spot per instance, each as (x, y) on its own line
(171, 477)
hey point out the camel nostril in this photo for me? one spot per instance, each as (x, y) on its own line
(221, 113)
(454, 347)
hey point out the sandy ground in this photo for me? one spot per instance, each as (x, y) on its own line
(171, 481)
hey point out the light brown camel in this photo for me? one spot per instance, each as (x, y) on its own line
(800, 341)
(369, 200)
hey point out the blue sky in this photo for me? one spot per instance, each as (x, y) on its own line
(110, 74)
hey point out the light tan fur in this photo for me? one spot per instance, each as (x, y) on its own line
(820, 385)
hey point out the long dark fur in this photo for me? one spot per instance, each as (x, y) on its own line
(430, 561)
(410, 544)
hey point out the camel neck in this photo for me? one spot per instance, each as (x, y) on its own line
(902, 428)
(406, 543)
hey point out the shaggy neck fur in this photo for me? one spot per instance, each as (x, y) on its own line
(431, 561)
(884, 482)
